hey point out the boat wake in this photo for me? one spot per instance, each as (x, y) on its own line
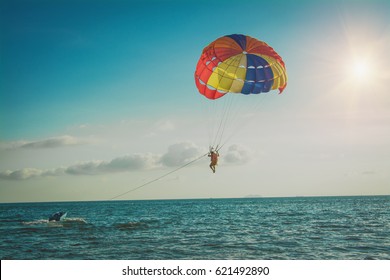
(65, 221)
(36, 222)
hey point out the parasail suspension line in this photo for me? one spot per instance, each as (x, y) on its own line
(158, 178)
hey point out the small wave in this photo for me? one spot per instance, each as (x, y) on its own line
(131, 225)
(353, 238)
(75, 220)
(79, 223)
(334, 227)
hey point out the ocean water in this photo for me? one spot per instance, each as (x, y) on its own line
(300, 228)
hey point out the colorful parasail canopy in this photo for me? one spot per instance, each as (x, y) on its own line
(239, 64)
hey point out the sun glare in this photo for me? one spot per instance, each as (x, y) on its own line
(360, 69)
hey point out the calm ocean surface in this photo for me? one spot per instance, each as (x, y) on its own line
(252, 228)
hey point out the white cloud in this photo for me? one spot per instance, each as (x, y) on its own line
(55, 142)
(177, 155)
(237, 154)
(180, 153)
(86, 168)
(162, 126)
(29, 173)
(165, 125)
(120, 164)
(22, 174)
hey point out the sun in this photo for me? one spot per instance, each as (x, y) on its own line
(360, 69)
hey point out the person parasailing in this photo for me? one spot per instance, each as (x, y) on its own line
(235, 65)
(213, 158)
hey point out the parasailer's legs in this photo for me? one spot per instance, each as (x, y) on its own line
(212, 167)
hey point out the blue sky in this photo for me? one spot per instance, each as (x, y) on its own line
(97, 97)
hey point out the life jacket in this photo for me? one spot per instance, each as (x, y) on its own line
(214, 158)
